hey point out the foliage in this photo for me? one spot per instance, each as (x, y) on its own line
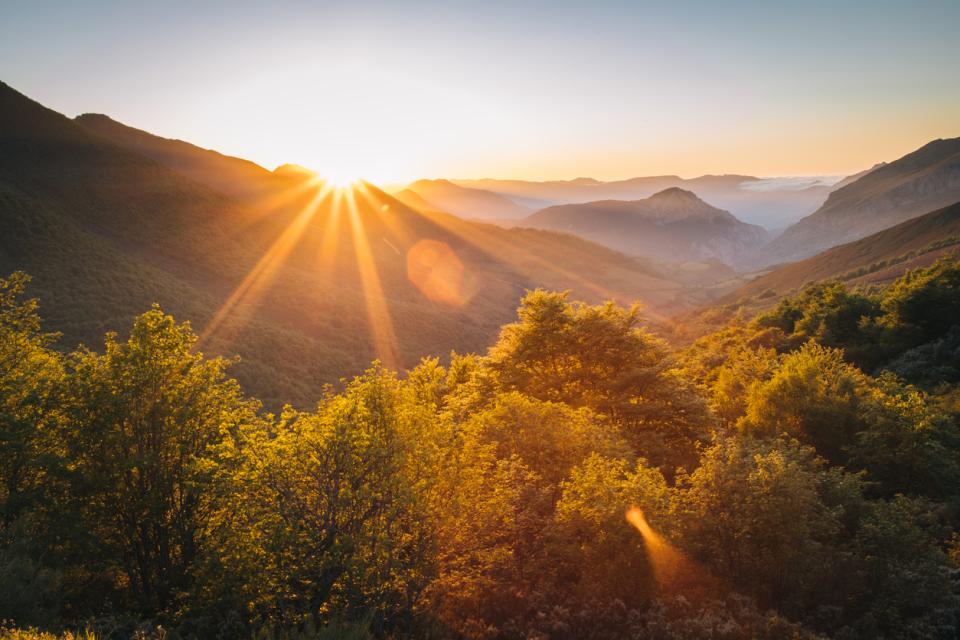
(597, 357)
(144, 496)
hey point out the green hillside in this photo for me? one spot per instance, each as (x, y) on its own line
(881, 257)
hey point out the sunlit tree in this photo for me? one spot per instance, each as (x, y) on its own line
(140, 419)
(598, 357)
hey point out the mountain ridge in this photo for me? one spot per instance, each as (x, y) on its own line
(880, 257)
(925, 179)
(466, 202)
(306, 285)
(772, 209)
(672, 224)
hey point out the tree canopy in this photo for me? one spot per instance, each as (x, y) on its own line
(579, 480)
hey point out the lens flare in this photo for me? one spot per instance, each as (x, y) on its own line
(434, 268)
(675, 573)
(667, 561)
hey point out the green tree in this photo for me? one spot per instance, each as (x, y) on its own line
(31, 379)
(551, 438)
(139, 421)
(324, 514)
(908, 444)
(778, 524)
(490, 546)
(736, 379)
(814, 396)
(922, 305)
(600, 557)
(833, 316)
(598, 357)
(753, 513)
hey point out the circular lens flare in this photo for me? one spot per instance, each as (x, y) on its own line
(434, 268)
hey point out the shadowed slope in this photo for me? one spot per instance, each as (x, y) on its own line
(463, 201)
(306, 283)
(927, 179)
(881, 257)
(231, 176)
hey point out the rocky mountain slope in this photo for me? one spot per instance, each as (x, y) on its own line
(921, 181)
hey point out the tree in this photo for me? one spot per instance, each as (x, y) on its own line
(922, 305)
(814, 396)
(600, 557)
(324, 514)
(737, 378)
(31, 379)
(902, 440)
(30, 376)
(771, 518)
(598, 357)
(753, 513)
(551, 438)
(139, 421)
(908, 444)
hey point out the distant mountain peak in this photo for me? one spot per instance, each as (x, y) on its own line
(923, 180)
(293, 170)
(431, 181)
(91, 117)
(676, 195)
(672, 224)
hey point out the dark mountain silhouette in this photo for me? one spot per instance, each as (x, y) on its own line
(921, 181)
(673, 224)
(878, 258)
(231, 176)
(306, 284)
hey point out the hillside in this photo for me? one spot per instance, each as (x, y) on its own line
(856, 176)
(673, 224)
(921, 181)
(414, 200)
(464, 201)
(881, 257)
(769, 203)
(232, 176)
(305, 283)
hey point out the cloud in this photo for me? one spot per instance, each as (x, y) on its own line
(790, 183)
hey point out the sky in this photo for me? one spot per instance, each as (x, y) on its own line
(394, 91)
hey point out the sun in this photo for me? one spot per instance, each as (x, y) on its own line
(341, 179)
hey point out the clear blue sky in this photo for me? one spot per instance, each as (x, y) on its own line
(394, 91)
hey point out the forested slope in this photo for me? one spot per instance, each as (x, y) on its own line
(579, 480)
(306, 283)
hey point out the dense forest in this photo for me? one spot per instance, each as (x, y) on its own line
(794, 474)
